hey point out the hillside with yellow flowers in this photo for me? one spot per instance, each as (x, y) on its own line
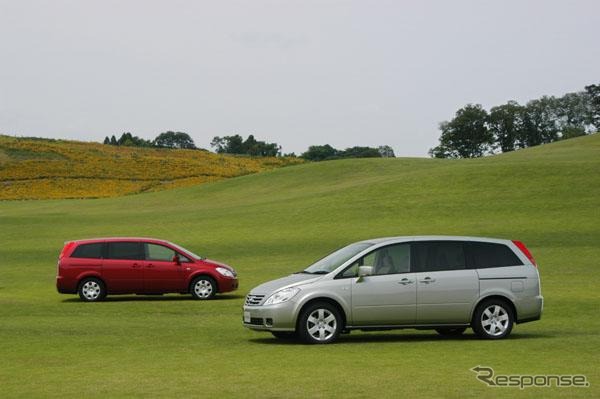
(32, 168)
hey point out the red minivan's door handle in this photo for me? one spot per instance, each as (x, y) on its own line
(136, 266)
(149, 265)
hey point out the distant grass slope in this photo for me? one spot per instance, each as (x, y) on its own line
(277, 222)
(42, 168)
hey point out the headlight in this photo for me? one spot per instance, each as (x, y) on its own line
(282, 296)
(225, 272)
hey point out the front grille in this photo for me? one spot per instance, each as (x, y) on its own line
(254, 300)
(257, 321)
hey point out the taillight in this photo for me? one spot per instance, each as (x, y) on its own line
(65, 249)
(525, 251)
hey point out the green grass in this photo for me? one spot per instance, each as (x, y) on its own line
(273, 223)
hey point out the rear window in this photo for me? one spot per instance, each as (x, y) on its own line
(89, 251)
(125, 250)
(485, 255)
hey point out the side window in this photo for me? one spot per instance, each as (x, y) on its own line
(159, 253)
(430, 256)
(391, 259)
(89, 251)
(485, 254)
(126, 250)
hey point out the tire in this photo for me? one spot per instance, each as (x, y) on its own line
(319, 323)
(451, 331)
(91, 289)
(493, 319)
(284, 334)
(203, 288)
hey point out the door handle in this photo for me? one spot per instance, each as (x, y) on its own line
(427, 280)
(150, 266)
(136, 266)
(405, 281)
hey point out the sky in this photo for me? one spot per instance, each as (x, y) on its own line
(297, 73)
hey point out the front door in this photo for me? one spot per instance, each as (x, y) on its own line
(161, 273)
(388, 296)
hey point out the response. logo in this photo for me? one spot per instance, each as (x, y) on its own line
(486, 375)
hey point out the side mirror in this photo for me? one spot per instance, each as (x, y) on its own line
(364, 271)
(176, 260)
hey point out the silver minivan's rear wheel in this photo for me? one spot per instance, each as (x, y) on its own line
(493, 319)
(203, 287)
(320, 323)
(91, 289)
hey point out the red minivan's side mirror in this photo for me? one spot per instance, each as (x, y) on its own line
(176, 260)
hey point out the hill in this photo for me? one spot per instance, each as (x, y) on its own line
(273, 223)
(33, 168)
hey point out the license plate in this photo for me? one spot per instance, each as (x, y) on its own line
(246, 317)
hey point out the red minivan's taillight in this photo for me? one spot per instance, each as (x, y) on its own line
(66, 249)
(525, 251)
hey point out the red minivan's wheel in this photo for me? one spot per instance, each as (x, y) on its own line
(203, 287)
(91, 289)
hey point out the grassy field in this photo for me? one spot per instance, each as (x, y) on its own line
(32, 168)
(274, 223)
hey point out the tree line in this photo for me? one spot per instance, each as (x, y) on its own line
(250, 146)
(327, 152)
(475, 132)
(168, 139)
(237, 145)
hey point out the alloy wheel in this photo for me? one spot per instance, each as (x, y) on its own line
(495, 320)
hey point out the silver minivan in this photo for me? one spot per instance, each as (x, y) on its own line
(446, 283)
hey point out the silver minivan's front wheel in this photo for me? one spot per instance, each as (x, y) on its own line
(320, 323)
(203, 287)
(493, 319)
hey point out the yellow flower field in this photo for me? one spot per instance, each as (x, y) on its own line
(32, 168)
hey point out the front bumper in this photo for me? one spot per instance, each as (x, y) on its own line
(280, 317)
(228, 284)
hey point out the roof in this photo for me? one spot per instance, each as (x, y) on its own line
(382, 240)
(145, 239)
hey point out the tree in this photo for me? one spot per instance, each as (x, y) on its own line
(237, 145)
(593, 91)
(320, 153)
(106, 140)
(172, 139)
(574, 110)
(228, 144)
(505, 122)
(465, 136)
(113, 140)
(540, 122)
(386, 151)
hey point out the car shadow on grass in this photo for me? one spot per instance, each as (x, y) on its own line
(398, 338)
(153, 298)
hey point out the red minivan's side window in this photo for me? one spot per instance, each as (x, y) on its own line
(88, 251)
(125, 250)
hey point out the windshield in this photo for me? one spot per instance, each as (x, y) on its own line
(336, 259)
(186, 252)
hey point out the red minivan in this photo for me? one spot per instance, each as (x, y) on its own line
(97, 267)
